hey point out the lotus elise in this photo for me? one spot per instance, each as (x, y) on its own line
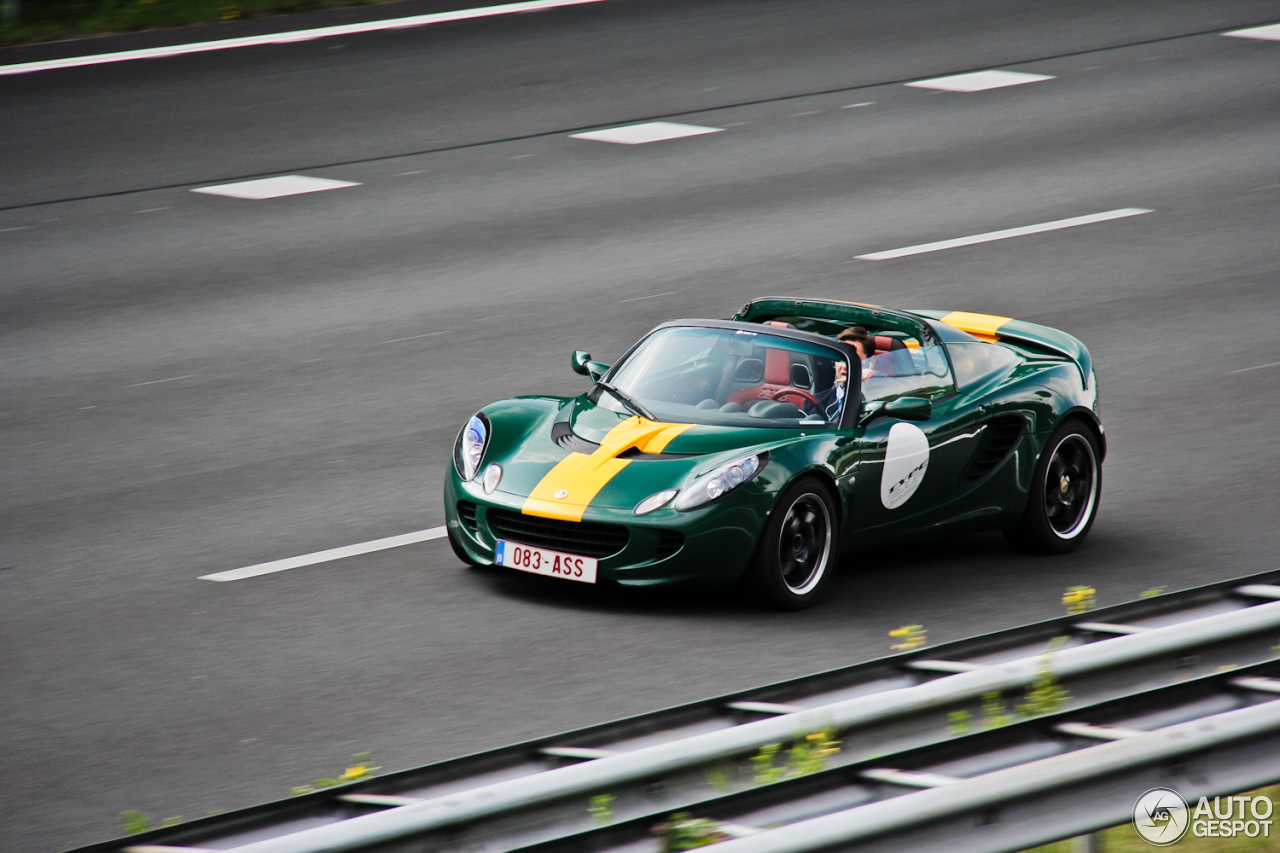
(759, 449)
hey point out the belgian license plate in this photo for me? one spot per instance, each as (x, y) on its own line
(540, 561)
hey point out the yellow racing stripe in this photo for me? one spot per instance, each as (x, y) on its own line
(983, 326)
(569, 488)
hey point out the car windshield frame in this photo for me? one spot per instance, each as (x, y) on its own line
(805, 344)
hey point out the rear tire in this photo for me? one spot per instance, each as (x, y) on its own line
(1066, 488)
(798, 550)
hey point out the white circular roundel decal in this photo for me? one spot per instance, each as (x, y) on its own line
(905, 461)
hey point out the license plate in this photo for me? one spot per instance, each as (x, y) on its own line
(540, 561)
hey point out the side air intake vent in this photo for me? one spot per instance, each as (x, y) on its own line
(467, 515)
(669, 541)
(998, 440)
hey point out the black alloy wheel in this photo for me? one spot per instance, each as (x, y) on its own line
(1065, 491)
(798, 549)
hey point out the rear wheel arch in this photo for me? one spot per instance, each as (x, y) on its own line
(1090, 422)
(1053, 520)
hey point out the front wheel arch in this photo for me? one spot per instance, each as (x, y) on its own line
(799, 548)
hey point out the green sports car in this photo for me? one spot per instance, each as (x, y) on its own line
(759, 449)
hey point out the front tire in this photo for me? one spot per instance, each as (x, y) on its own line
(1065, 490)
(797, 552)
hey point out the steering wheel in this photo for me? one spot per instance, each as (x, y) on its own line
(799, 392)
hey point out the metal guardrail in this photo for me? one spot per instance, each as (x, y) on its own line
(657, 762)
(1009, 788)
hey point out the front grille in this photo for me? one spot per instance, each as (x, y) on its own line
(669, 541)
(467, 515)
(1001, 437)
(575, 537)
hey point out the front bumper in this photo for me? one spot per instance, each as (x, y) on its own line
(710, 545)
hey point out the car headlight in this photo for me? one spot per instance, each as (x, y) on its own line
(469, 450)
(655, 501)
(492, 476)
(720, 481)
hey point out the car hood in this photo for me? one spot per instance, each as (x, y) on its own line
(583, 455)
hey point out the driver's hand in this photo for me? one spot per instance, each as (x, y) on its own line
(842, 373)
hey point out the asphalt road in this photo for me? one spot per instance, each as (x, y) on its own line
(195, 383)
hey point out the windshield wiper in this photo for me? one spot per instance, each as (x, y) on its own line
(627, 400)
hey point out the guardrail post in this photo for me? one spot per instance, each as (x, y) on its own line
(1085, 844)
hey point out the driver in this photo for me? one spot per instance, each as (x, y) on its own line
(860, 339)
(832, 399)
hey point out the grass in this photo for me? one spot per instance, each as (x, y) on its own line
(1124, 839)
(48, 20)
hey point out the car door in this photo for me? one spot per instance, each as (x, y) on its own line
(898, 473)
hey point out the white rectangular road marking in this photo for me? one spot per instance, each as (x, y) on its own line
(275, 187)
(1271, 32)
(638, 134)
(326, 556)
(1003, 235)
(292, 36)
(978, 81)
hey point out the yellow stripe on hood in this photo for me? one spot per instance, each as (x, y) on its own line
(982, 326)
(581, 476)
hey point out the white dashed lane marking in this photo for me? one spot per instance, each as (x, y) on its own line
(326, 556)
(638, 134)
(416, 337)
(293, 36)
(275, 187)
(1003, 235)
(1256, 367)
(1271, 32)
(158, 381)
(651, 296)
(979, 81)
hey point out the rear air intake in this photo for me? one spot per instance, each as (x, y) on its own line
(998, 440)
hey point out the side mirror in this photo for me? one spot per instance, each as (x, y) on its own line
(870, 410)
(909, 409)
(903, 408)
(583, 364)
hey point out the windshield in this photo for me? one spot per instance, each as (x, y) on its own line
(724, 377)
